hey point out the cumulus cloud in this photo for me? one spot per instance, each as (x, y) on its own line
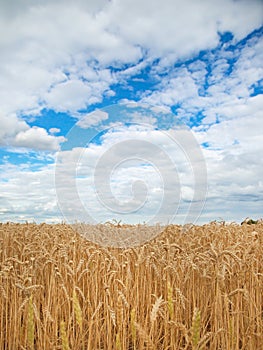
(17, 133)
(10, 126)
(38, 139)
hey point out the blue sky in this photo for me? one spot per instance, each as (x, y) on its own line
(124, 110)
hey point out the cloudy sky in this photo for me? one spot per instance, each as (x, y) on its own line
(140, 111)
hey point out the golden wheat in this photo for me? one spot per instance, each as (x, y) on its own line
(194, 288)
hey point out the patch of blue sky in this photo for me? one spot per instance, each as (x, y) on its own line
(205, 144)
(256, 88)
(225, 37)
(49, 119)
(122, 91)
(82, 137)
(140, 85)
(211, 63)
(132, 89)
(196, 119)
(24, 158)
(66, 123)
(97, 138)
(78, 137)
(4, 156)
(175, 108)
(10, 156)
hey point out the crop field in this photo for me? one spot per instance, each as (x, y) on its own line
(195, 289)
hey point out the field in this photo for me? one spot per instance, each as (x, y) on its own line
(199, 289)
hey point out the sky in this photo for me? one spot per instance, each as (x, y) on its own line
(139, 111)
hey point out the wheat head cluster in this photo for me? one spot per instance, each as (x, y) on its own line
(194, 289)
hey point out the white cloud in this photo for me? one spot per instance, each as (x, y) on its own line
(215, 86)
(155, 162)
(46, 61)
(92, 119)
(28, 195)
(234, 175)
(247, 107)
(177, 87)
(140, 118)
(233, 161)
(17, 133)
(10, 126)
(38, 139)
(69, 96)
(54, 130)
(230, 129)
(181, 28)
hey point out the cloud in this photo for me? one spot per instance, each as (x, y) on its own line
(135, 170)
(215, 93)
(48, 62)
(175, 88)
(47, 59)
(17, 133)
(38, 139)
(234, 175)
(54, 130)
(232, 153)
(77, 94)
(10, 126)
(143, 119)
(238, 130)
(215, 86)
(182, 28)
(27, 194)
(69, 96)
(92, 119)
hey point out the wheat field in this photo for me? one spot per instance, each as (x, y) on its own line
(194, 289)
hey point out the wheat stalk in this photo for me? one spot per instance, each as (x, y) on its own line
(30, 324)
(196, 326)
(155, 309)
(64, 338)
(77, 310)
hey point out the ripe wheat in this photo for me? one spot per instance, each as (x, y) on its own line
(195, 289)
